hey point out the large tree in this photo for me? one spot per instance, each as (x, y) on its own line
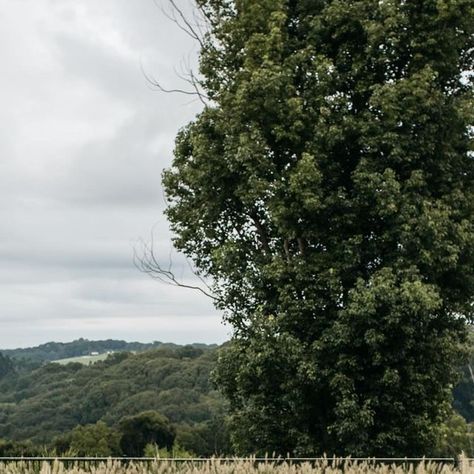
(148, 427)
(327, 189)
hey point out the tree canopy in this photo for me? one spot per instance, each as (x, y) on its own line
(327, 189)
(97, 439)
(46, 404)
(149, 427)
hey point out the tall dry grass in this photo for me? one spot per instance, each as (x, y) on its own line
(236, 467)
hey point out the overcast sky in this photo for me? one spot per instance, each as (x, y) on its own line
(83, 140)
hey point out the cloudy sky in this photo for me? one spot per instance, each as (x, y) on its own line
(83, 140)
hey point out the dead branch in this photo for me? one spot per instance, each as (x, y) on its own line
(301, 245)
(178, 17)
(286, 248)
(196, 92)
(195, 83)
(147, 262)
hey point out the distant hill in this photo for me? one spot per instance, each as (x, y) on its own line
(82, 347)
(48, 400)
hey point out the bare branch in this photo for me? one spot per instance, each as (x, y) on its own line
(180, 26)
(196, 273)
(190, 28)
(147, 262)
(195, 83)
(197, 28)
(286, 248)
(183, 23)
(207, 18)
(200, 20)
(301, 245)
(196, 93)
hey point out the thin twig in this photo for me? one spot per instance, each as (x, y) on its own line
(192, 32)
(196, 93)
(148, 263)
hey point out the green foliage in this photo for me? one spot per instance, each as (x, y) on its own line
(455, 436)
(6, 366)
(91, 440)
(176, 452)
(464, 390)
(18, 448)
(146, 428)
(209, 438)
(50, 401)
(328, 190)
(173, 384)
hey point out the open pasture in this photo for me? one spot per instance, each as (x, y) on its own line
(84, 360)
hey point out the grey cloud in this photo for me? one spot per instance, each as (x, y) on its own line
(77, 255)
(94, 63)
(192, 329)
(122, 170)
(83, 140)
(158, 49)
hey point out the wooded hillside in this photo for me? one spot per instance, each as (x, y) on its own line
(46, 401)
(41, 403)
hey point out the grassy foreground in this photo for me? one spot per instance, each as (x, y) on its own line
(238, 467)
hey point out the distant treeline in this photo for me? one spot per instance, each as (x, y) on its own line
(42, 402)
(62, 350)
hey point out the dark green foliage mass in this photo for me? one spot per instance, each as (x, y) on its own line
(6, 366)
(327, 188)
(148, 427)
(464, 395)
(90, 440)
(464, 390)
(454, 436)
(206, 439)
(10, 448)
(50, 401)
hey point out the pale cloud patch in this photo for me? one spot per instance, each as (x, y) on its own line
(83, 141)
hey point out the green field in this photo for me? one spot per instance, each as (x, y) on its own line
(85, 360)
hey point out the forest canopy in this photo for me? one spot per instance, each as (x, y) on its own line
(77, 409)
(45, 404)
